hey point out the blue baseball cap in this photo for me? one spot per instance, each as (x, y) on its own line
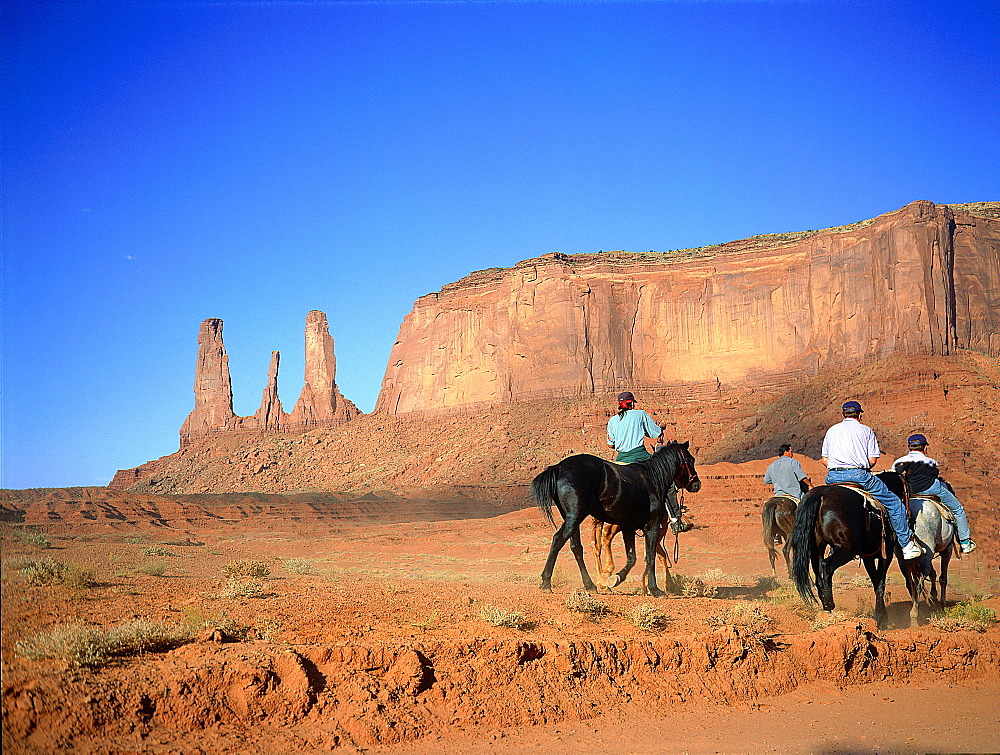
(851, 406)
(916, 440)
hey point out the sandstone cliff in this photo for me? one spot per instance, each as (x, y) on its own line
(922, 280)
(320, 402)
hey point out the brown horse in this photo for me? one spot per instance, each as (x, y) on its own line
(604, 533)
(778, 516)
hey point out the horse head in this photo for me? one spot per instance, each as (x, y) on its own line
(687, 475)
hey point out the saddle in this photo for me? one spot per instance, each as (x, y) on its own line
(947, 514)
(871, 501)
(874, 507)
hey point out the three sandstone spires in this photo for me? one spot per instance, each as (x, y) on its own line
(320, 402)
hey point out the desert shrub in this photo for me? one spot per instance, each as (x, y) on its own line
(93, 646)
(749, 618)
(499, 617)
(299, 566)
(861, 581)
(766, 584)
(692, 587)
(136, 540)
(248, 587)
(156, 550)
(43, 572)
(80, 645)
(966, 616)
(152, 568)
(144, 636)
(32, 536)
(583, 602)
(714, 575)
(648, 617)
(826, 619)
(78, 578)
(246, 567)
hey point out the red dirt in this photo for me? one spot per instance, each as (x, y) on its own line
(384, 646)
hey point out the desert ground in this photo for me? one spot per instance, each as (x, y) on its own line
(389, 624)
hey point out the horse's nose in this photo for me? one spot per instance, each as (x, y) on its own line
(694, 486)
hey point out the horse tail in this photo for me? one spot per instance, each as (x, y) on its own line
(804, 545)
(544, 492)
(770, 523)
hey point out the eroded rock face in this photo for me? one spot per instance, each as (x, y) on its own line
(320, 402)
(921, 280)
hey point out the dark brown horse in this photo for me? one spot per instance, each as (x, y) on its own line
(836, 517)
(778, 516)
(633, 496)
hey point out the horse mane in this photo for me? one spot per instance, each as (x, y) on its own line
(659, 471)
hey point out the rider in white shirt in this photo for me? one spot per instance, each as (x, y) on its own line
(850, 450)
(923, 475)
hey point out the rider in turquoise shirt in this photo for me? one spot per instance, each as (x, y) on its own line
(628, 430)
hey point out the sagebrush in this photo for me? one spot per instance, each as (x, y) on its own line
(93, 646)
(246, 567)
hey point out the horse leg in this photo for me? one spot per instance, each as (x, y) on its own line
(571, 524)
(877, 569)
(608, 533)
(786, 551)
(662, 553)
(943, 579)
(602, 549)
(652, 534)
(825, 580)
(628, 537)
(576, 545)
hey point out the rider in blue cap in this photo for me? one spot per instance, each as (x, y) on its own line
(924, 480)
(850, 450)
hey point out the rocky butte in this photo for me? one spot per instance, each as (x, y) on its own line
(922, 280)
(738, 347)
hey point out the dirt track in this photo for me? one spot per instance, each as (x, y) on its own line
(385, 645)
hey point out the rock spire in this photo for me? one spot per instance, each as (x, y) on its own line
(320, 402)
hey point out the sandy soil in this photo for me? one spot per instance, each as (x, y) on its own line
(370, 635)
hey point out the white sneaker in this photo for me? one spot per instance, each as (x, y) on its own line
(968, 546)
(912, 550)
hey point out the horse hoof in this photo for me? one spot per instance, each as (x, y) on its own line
(659, 594)
(545, 588)
(613, 581)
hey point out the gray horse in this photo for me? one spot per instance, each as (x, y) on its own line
(936, 532)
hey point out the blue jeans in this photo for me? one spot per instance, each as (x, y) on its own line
(948, 499)
(871, 483)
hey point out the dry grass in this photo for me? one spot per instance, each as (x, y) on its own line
(581, 601)
(156, 550)
(152, 568)
(826, 619)
(246, 567)
(500, 617)
(299, 566)
(749, 618)
(692, 587)
(648, 617)
(92, 646)
(968, 616)
(244, 588)
(47, 572)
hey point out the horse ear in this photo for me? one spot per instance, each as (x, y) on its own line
(685, 444)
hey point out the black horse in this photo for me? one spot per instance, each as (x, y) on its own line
(836, 516)
(633, 496)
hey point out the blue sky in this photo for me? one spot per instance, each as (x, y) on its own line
(164, 162)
